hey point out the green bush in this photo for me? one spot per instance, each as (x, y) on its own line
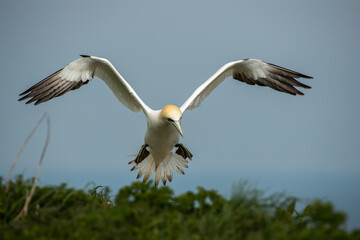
(141, 211)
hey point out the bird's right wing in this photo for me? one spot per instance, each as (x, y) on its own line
(80, 72)
(250, 71)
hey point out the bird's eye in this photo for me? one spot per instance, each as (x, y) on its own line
(170, 120)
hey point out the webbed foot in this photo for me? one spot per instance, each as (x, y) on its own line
(183, 151)
(143, 153)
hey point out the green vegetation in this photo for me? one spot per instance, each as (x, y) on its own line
(141, 211)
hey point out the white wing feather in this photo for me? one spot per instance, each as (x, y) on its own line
(81, 71)
(250, 71)
(78, 73)
(207, 87)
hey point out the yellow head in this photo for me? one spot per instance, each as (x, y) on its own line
(172, 114)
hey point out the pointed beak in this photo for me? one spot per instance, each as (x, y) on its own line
(177, 126)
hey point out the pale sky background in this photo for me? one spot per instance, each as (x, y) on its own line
(307, 145)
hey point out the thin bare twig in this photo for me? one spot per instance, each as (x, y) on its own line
(24, 211)
(21, 150)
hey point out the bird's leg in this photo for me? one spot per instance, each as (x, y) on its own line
(143, 153)
(183, 151)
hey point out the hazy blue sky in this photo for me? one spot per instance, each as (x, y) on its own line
(308, 145)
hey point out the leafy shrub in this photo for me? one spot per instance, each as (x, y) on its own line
(141, 211)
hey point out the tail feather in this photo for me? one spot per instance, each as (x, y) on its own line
(164, 170)
(150, 169)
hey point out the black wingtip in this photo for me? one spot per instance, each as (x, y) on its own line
(84, 56)
(305, 76)
(25, 92)
(23, 98)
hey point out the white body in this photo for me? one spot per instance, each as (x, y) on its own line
(161, 137)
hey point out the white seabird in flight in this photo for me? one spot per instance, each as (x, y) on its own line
(163, 126)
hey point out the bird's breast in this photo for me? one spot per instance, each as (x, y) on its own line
(161, 139)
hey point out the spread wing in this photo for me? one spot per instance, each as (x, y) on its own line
(250, 71)
(80, 72)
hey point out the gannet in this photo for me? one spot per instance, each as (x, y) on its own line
(163, 126)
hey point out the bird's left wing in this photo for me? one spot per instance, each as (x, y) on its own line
(80, 72)
(250, 71)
